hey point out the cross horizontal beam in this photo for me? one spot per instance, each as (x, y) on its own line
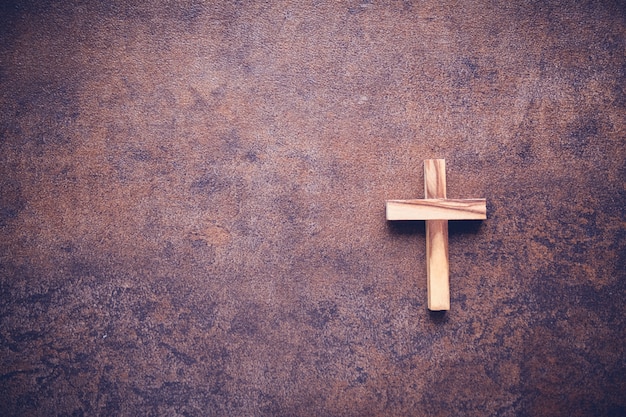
(437, 209)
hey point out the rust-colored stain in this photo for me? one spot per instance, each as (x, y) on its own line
(192, 208)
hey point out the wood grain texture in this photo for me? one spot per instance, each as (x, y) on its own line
(435, 178)
(437, 209)
(437, 265)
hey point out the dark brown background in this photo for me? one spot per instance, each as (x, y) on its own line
(192, 208)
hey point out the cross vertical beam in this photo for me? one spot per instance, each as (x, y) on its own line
(436, 210)
(437, 266)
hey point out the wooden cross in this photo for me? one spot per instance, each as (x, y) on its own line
(436, 209)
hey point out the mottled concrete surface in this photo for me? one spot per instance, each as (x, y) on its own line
(192, 208)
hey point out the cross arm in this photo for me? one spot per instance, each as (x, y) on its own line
(437, 209)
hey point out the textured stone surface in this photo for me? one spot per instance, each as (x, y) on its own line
(192, 208)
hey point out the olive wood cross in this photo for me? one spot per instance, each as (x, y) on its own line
(436, 209)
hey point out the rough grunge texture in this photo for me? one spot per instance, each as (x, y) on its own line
(192, 208)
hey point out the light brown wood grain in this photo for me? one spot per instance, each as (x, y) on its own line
(437, 266)
(437, 209)
(435, 178)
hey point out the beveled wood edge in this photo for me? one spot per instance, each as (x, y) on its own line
(437, 209)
